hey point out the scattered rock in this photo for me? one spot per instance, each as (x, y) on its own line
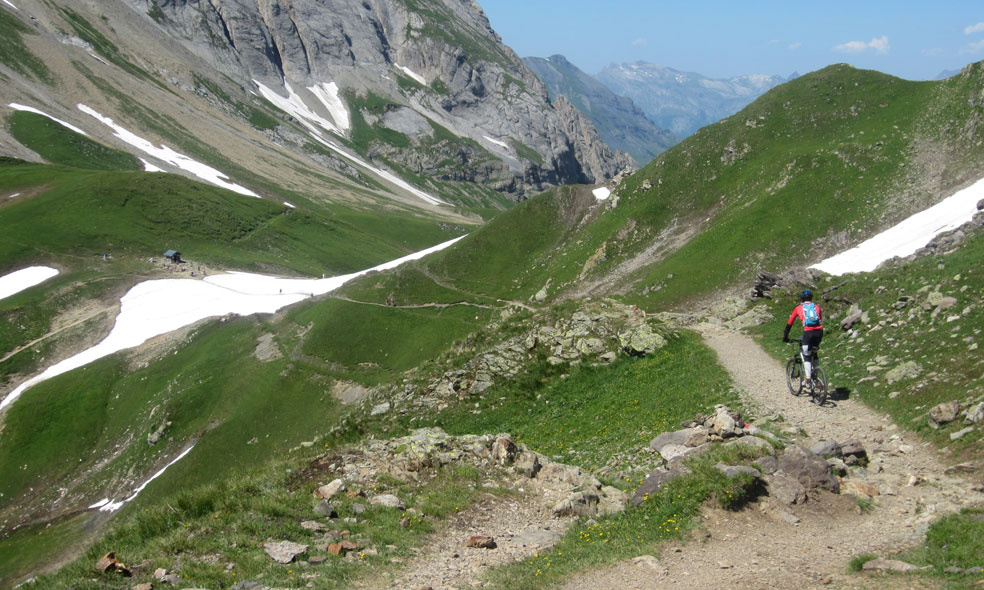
(480, 542)
(652, 563)
(284, 551)
(787, 490)
(387, 501)
(324, 508)
(888, 565)
(860, 489)
(328, 491)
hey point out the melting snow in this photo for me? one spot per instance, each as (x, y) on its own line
(496, 142)
(909, 235)
(328, 95)
(8, 3)
(206, 173)
(20, 107)
(105, 505)
(294, 105)
(157, 307)
(412, 74)
(601, 193)
(148, 167)
(19, 280)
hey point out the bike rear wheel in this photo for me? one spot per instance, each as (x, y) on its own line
(819, 386)
(794, 376)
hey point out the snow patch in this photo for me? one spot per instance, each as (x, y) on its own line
(293, 105)
(412, 74)
(291, 205)
(14, 195)
(157, 307)
(909, 235)
(20, 107)
(206, 173)
(496, 142)
(328, 95)
(148, 167)
(601, 193)
(108, 506)
(25, 278)
(8, 3)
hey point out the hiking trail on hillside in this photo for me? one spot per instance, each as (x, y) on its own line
(767, 545)
(807, 545)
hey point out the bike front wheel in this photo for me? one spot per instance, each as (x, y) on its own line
(819, 386)
(794, 376)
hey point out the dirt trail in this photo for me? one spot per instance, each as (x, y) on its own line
(766, 546)
(805, 546)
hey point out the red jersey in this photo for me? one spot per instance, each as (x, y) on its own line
(798, 313)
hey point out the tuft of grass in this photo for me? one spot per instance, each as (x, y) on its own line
(857, 562)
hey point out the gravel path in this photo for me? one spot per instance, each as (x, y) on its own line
(766, 546)
(805, 546)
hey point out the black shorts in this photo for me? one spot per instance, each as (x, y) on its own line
(812, 338)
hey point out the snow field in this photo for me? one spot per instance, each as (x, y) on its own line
(203, 171)
(25, 278)
(157, 307)
(909, 235)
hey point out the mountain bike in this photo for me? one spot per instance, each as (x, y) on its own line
(796, 374)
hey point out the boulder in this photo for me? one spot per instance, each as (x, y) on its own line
(787, 490)
(640, 341)
(655, 481)
(387, 501)
(504, 450)
(808, 468)
(906, 370)
(943, 413)
(975, 414)
(853, 317)
(861, 489)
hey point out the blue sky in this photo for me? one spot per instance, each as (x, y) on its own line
(720, 39)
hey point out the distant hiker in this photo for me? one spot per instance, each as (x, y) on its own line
(811, 316)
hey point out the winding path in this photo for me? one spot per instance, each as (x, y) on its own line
(809, 545)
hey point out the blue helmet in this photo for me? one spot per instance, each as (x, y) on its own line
(806, 295)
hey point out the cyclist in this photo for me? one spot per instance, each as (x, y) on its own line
(811, 316)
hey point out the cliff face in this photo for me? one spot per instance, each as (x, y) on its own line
(621, 124)
(436, 63)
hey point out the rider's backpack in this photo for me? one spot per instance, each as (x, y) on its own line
(811, 315)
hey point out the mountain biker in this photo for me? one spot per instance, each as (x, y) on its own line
(811, 316)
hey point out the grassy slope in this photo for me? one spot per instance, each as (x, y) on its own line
(829, 153)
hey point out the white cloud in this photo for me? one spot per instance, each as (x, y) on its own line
(879, 45)
(795, 46)
(975, 47)
(979, 27)
(640, 42)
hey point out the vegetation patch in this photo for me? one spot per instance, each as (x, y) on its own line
(59, 145)
(15, 54)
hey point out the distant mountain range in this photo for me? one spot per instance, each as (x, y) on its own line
(643, 109)
(683, 102)
(618, 120)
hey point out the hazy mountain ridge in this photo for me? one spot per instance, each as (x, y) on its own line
(683, 102)
(619, 121)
